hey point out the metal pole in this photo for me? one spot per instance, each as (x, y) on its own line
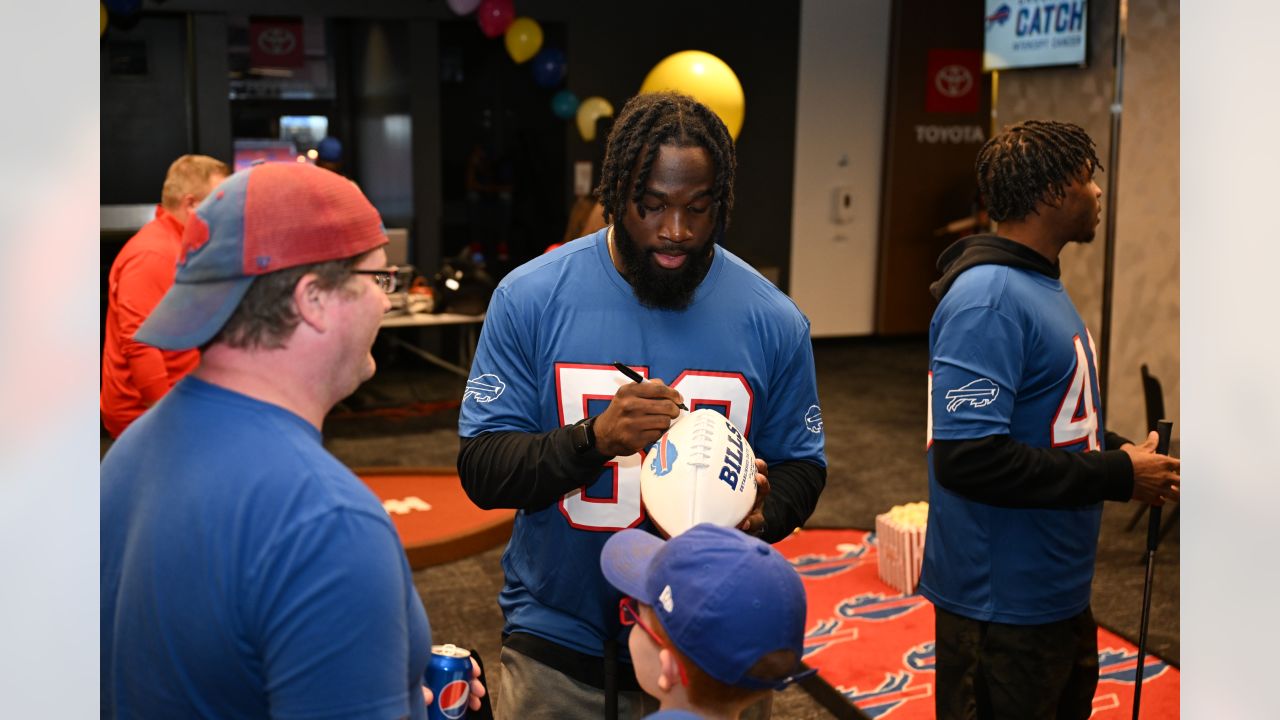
(1113, 191)
(1164, 429)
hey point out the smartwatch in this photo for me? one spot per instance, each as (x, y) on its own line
(584, 435)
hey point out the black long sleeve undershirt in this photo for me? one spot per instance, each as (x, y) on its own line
(998, 470)
(530, 471)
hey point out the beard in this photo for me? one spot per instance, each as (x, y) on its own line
(656, 286)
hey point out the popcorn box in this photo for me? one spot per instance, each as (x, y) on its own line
(900, 539)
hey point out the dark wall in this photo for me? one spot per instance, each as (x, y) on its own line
(144, 107)
(611, 49)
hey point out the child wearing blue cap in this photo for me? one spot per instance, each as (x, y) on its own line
(719, 618)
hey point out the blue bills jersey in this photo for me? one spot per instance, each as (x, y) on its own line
(553, 329)
(1009, 354)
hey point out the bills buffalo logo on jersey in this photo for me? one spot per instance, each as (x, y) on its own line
(822, 566)
(825, 634)
(813, 419)
(452, 702)
(663, 456)
(896, 689)
(1120, 665)
(875, 606)
(979, 393)
(484, 388)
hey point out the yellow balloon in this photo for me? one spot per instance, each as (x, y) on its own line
(523, 39)
(704, 77)
(102, 19)
(589, 111)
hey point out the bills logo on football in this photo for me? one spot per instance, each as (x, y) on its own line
(452, 702)
(665, 457)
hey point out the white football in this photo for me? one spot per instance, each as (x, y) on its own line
(701, 470)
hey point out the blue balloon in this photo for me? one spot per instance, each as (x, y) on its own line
(564, 104)
(330, 149)
(549, 67)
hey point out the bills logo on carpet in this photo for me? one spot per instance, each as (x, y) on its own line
(819, 565)
(876, 646)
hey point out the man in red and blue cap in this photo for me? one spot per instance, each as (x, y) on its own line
(717, 615)
(245, 572)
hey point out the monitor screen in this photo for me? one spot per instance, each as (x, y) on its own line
(249, 151)
(305, 131)
(1034, 33)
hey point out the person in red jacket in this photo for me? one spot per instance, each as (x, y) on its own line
(135, 375)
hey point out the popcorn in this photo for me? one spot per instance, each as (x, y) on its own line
(900, 536)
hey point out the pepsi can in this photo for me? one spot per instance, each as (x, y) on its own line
(449, 678)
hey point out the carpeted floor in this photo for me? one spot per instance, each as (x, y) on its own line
(873, 402)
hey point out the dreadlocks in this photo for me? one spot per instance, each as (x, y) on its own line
(1032, 162)
(649, 121)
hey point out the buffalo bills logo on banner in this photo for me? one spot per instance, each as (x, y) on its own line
(664, 458)
(821, 566)
(874, 606)
(1121, 666)
(452, 702)
(895, 690)
(1000, 16)
(825, 634)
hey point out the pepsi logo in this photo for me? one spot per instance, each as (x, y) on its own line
(452, 702)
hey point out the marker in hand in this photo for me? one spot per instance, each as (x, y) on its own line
(626, 370)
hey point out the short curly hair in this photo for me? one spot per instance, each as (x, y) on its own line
(1030, 163)
(649, 121)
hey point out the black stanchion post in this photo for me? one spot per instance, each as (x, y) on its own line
(1164, 429)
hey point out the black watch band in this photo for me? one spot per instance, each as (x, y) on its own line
(584, 435)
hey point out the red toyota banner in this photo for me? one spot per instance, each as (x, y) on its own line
(275, 42)
(952, 80)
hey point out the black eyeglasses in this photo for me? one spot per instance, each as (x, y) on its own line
(385, 278)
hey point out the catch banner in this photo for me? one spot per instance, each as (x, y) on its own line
(1034, 33)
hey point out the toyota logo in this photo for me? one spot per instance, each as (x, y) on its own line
(277, 41)
(953, 81)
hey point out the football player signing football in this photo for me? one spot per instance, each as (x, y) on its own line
(550, 427)
(1019, 460)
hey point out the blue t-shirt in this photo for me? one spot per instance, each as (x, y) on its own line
(245, 573)
(1009, 354)
(553, 329)
(673, 715)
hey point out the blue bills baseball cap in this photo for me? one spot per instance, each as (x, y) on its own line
(266, 218)
(725, 599)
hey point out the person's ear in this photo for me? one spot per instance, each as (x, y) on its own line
(669, 670)
(310, 300)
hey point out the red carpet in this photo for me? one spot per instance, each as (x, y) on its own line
(875, 645)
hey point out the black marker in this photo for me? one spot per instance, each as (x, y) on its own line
(626, 370)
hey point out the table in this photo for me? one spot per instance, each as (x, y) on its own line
(469, 324)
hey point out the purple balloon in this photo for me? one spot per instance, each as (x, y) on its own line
(549, 67)
(463, 7)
